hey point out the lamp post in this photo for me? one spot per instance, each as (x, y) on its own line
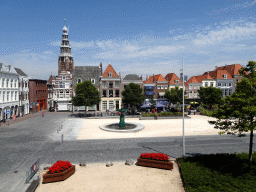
(183, 130)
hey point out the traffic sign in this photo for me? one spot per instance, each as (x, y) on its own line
(7, 112)
(14, 117)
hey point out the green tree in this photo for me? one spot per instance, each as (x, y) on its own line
(210, 95)
(133, 95)
(241, 106)
(174, 95)
(86, 95)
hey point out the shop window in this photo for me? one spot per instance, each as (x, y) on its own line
(104, 105)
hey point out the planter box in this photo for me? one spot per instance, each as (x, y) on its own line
(48, 178)
(154, 163)
(165, 117)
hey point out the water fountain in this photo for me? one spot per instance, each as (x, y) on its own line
(122, 126)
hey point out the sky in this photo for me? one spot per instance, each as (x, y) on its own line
(142, 37)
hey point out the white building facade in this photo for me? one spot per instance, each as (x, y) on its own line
(9, 92)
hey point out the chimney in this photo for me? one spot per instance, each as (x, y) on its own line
(101, 68)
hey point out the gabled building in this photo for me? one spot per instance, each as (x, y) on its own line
(50, 102)
(91, 73)
(110, 90)
(23, 93)
(155, 85)
(173, 81)
(9, 92)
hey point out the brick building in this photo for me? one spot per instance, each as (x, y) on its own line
(37, 94)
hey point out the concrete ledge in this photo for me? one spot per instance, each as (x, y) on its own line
(173, 117)
(138, 127)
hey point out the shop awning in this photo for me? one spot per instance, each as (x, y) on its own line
(161, 93)
(150, 92)
(149, 87)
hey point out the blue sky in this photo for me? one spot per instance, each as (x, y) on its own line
(135, 36)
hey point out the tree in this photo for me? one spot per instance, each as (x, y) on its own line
(152, 101)
(210, 95)
(133, 95)
(241, 106)
(174, 95)
(86, 95)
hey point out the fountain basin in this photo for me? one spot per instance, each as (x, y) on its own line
(130, 127)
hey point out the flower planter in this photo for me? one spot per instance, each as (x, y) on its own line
(48, 178)
(154, 163)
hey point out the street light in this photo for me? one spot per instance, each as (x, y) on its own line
(183, 110)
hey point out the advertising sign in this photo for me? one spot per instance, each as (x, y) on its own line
(32, 171)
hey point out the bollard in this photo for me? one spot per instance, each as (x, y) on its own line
(62, 138)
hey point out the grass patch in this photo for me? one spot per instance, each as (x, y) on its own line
(218, 172)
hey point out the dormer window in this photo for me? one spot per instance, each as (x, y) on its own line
(110, 74)
(176, 82)
(93, 81)
(225, 76)
(63, 77)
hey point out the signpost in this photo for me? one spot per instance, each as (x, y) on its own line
(7, 112)
(32, 171)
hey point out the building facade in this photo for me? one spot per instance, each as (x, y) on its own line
(110, 90)
(9, 92)
(62, 91)
(91, 73)
(23, 93)
(37, 95)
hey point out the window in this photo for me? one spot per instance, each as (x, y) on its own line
(11, 83)
(117, 84)
(110, 84)
(104, 105)
(195, 86)
(7, 83)
(190, 94)
(60, 85)
(219, 84)
(3, 82)
(229, 84)
(93, 81)
(195, 94)
(110, 93)
(225, 76)
(176, 82)
(67, 85)
(230, 91)
(79, 80)
(0, 96)
(104, 84)
(116, 93)
(211, 84)
(111, 105)
(67, 94)
(158, 87)
(225, 92)
(3, 96)
(110, 74)
(15, 83)
(190, 87)
(206, 84)
(61, 94)
(225, 85)
(104, 93)
(8, 96)
(15, 95)
(117, 104)
(63, 77)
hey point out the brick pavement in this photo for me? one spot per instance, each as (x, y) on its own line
(25, 117)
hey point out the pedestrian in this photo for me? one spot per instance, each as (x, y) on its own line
(42, 114)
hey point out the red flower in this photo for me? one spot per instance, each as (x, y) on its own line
(59, 166)
(155, 156)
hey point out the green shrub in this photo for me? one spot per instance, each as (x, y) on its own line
(218, 172)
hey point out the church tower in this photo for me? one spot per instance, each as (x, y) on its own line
(65, 62)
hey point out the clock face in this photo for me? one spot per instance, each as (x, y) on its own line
(66, 49)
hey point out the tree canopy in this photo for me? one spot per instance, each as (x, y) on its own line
(174, 95)
(86, 94)
(240, 106)
(210, 95)
(133, 95)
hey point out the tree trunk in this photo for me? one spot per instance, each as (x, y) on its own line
(250, 148)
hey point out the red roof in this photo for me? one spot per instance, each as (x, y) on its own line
(108, 70)
(155, 78)
(171, 77)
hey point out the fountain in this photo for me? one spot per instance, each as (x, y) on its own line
(122, 126)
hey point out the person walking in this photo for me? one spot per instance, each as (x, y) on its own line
(42, 114)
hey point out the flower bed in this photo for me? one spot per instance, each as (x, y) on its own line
(156, 160)
(59, 171)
